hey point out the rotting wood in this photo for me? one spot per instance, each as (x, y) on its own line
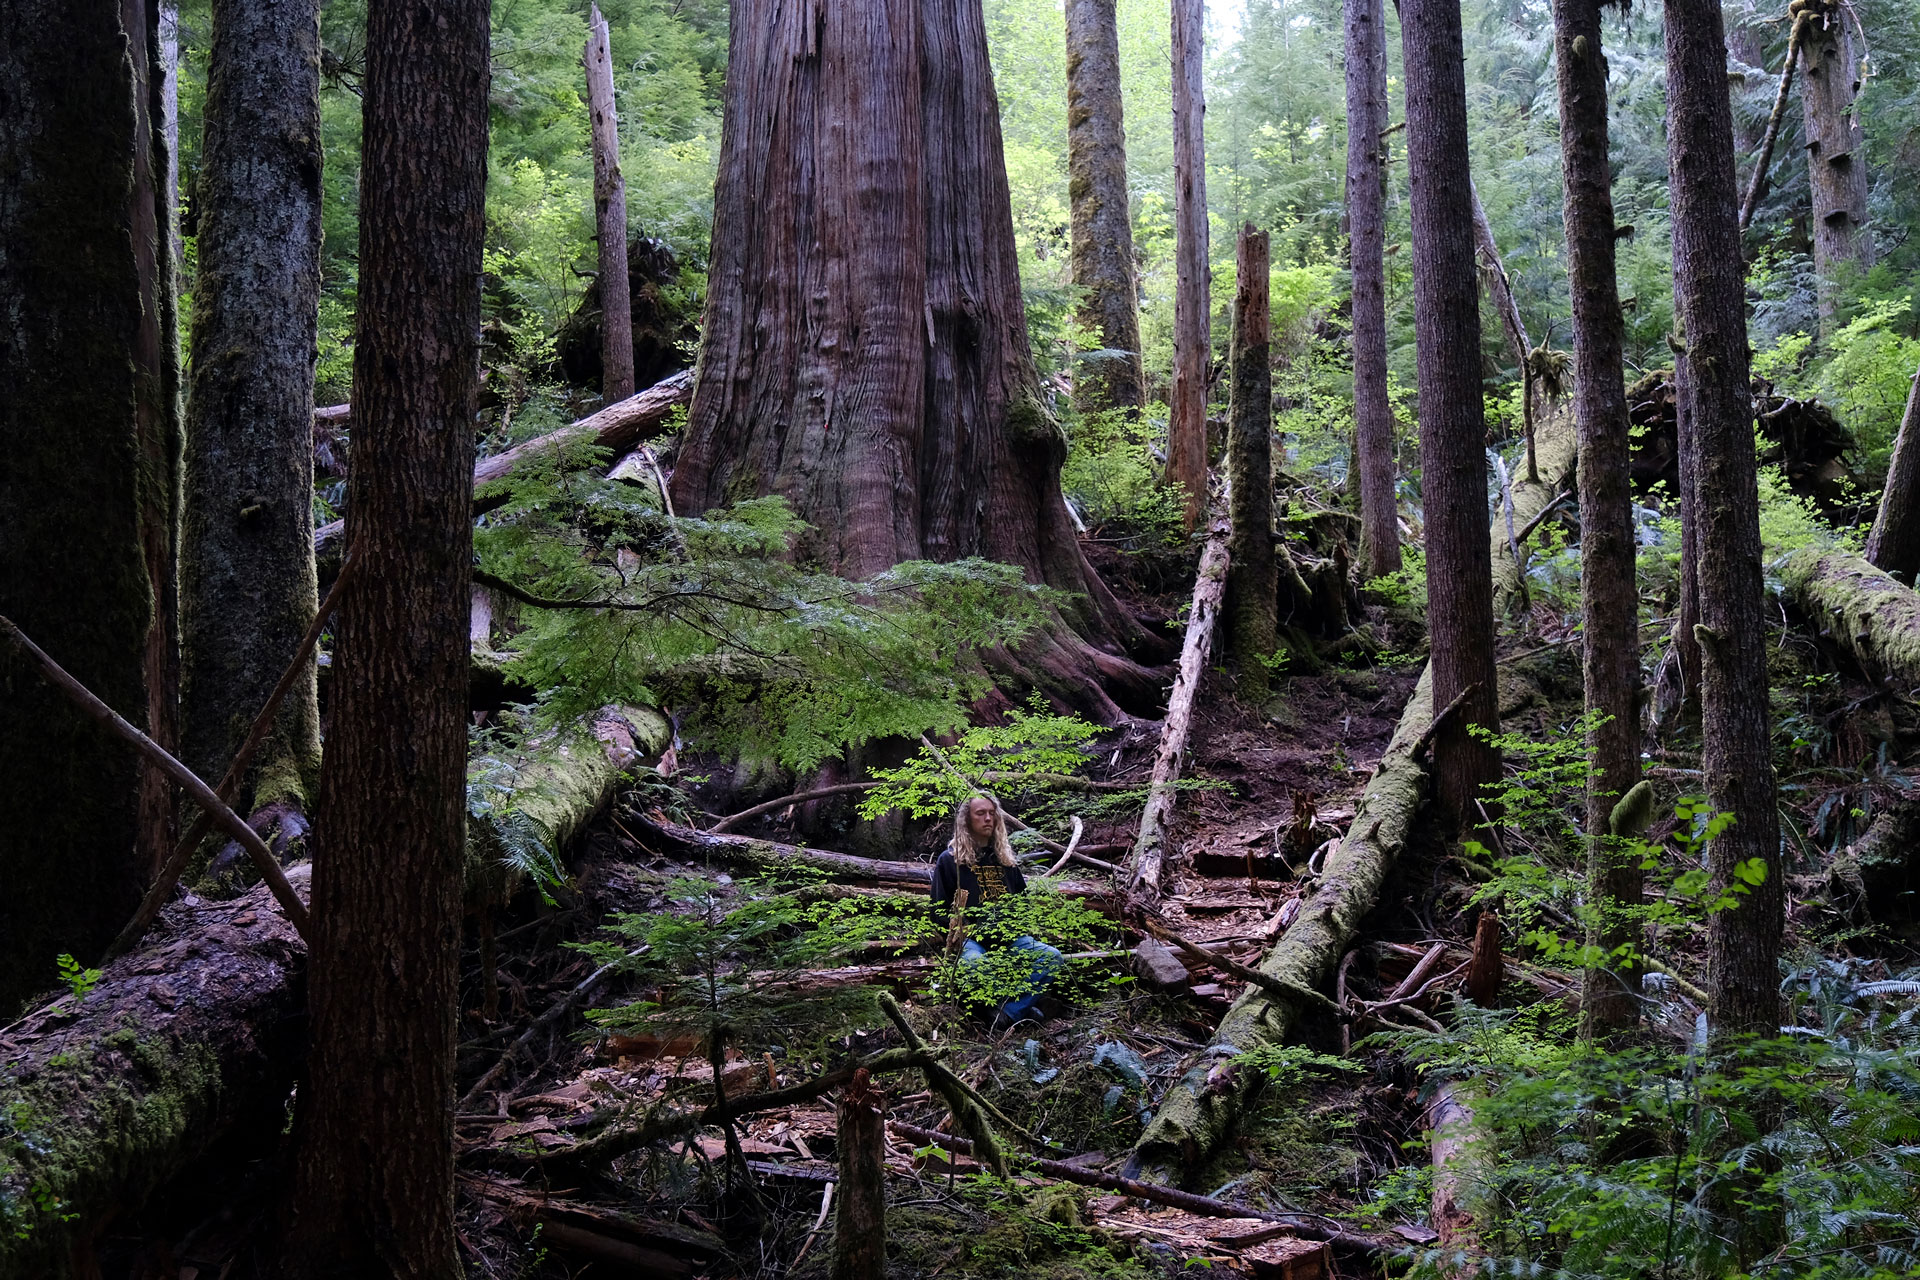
(616, 428)
(1863, 610)
(179, 1042)
(1487, 968)
(860, 1225)
(169, 876)
(962, 1101)
(1149, 855)
(1299, 1224)
(1451, 1131)
(1556, 452)
(201, 794)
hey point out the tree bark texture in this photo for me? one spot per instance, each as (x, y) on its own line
(373, 1182)
(1609, 595)
(192, 1036)
(1686, 614)
(1894, 544)
(610, 216)
(89, 435)
(1743, 945)
(1493, 270)
(1193, 285)
(1453, 428)
(1102, 225)
(248, 589)
(1366, 75)
(865, 350)
(1252, 576)
(1836, 153)
(860, 1221)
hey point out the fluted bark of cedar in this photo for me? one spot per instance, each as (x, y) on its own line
(1193, 285)
(1894, 544)
(1609, 596)
(610, 216)
(1836, 153)
(1252, 574)
(1366, 49)
(864, 352)
(1453, 430)
(1743, 944)
(89, 472)
(247, 583)
(1102, 226)
(373, 1182)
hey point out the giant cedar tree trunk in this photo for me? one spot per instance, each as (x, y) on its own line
(1453, 429)
(1743, 944)
(1192, 298)
(373, 1183)
(1836, 153)
(1894, 544)
(89, 471)
(1102, 226)
(1609, 597)
(1252, 574)
(864, 352)
(247, 583)
(1366, 47)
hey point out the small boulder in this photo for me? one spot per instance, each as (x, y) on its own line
(1155, 964)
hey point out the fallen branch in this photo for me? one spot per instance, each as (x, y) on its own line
(617, 428)
(1210, 583)
(1206, 1206)
(203, 795)
(1757, 187)
(1278, 987)
(962, 1101)
(169, 876)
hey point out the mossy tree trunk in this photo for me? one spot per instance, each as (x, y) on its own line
(1743, 944)
(89, 487)
(1102, 224)
(373, 1177)
(248, 588)
(1453, 428)
(1609, 595)
(1252, 578)
(1366, 76)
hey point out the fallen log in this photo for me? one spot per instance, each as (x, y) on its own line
(1210, 583)
(617, 428)
(548, 791)
(1555, 452)
(1862, 609)
(1198, 1112)
(109, 1095)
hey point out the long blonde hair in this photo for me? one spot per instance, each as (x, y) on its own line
(964, 851)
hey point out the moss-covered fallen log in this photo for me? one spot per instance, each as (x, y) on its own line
(1862, 609)
(104, 1098)
(528, 803)
(1199, 1110)
(1555, 451)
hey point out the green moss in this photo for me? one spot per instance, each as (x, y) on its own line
(1029, 423)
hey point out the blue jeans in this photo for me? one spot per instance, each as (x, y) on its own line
(1045, 962)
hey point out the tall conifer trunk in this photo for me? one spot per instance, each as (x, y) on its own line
(1192, 299)
(1366, 75)
(1453, 427)
(248, 588)
(1743, 944)
(1102, 225)
(1252, 571)
(610, 215)
(864, 352)
(1609, 597)
(89, 471)
(373, 1182)
(1836, 153)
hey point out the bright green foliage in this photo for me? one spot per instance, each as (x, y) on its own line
(1033, 742)
(1006, 972)
(712, 615)
(78, 978)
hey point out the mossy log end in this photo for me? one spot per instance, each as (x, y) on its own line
(103, 1100)
(1864, 610)
(559, 781)
(1199, 1111)
(1555, 451)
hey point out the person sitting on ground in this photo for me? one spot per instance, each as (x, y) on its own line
(979, 861)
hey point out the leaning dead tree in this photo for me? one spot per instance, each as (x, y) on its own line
(1192, 329)
(610, 215)
(1763, 163)
(1149, 856)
